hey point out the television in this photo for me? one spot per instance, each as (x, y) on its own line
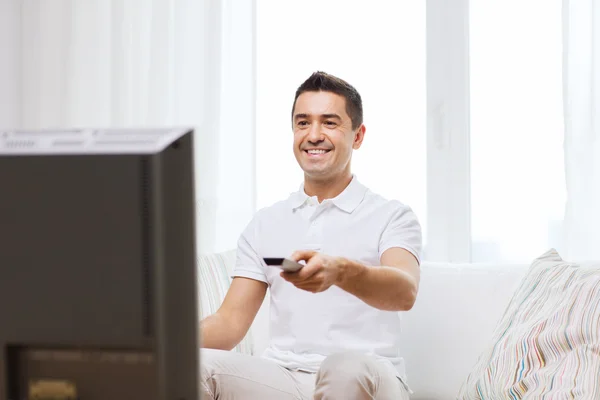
(98, 265)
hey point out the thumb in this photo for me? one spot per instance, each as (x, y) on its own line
(305, 255)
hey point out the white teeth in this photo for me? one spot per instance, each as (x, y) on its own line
(317, 151)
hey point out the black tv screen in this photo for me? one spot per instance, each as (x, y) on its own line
(98, 265)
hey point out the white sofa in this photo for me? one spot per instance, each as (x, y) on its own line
(453, 319)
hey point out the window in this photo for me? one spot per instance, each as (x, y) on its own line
(517, 170)
(463, 109)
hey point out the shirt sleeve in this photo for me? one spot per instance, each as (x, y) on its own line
(404, 231)
(248, 264)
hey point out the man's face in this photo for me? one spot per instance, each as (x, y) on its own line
(323, 135)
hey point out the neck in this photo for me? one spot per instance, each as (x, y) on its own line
(326, 188)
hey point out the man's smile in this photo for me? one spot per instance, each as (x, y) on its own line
(317, 153)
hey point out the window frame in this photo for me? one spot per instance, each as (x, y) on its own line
(448, 132)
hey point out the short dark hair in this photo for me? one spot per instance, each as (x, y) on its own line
(324, 82)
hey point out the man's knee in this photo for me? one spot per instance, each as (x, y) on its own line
(348, 365)
(356, 376)
(346, 375)
(211, 363)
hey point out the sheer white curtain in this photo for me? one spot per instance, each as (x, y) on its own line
(582, 127)
(9, 63)
(150, 63)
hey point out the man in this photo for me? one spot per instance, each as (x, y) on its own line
(335, 323)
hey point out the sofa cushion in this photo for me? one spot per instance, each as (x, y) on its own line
(547, 343)
(457, 309)
(214, 279)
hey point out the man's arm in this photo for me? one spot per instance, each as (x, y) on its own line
(391, 287)
(227, 327)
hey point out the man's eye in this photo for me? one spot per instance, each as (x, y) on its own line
(302, 123)
(330, 123)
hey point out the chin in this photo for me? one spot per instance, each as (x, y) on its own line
(317, 175)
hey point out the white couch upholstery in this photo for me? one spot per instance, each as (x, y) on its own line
(456, 312)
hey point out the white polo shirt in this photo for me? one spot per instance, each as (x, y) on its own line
(306, 327)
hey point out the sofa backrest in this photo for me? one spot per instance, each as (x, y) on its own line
(214, 279)
(453, 319)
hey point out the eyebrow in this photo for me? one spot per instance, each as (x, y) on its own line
(324, 116)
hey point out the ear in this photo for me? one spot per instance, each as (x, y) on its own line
(359, 137)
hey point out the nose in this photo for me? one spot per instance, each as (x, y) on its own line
(314, 134)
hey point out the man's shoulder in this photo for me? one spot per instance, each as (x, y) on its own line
(264, 217)
(380, 203)
(274, 210)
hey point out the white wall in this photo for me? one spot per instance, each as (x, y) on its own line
(10, 63)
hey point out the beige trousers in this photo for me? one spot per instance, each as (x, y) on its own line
(230, 375)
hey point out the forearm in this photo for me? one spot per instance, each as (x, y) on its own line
(217, 333)
(385, 288)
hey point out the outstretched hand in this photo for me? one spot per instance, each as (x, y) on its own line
(319, 274)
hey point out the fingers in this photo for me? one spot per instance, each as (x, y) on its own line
(311, 267)
(312, 286)
(307, 272)
(315, 282)
(303, 255)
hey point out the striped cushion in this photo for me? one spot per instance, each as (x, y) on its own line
(214, 275)
(547, 344)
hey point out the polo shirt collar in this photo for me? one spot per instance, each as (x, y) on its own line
(347, 201)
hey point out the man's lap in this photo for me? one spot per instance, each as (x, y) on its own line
(230, 375)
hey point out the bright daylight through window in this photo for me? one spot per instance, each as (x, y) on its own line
(518, 192)
(381, 51)
(516, 127)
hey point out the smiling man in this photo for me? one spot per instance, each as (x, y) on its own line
(335, 323)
